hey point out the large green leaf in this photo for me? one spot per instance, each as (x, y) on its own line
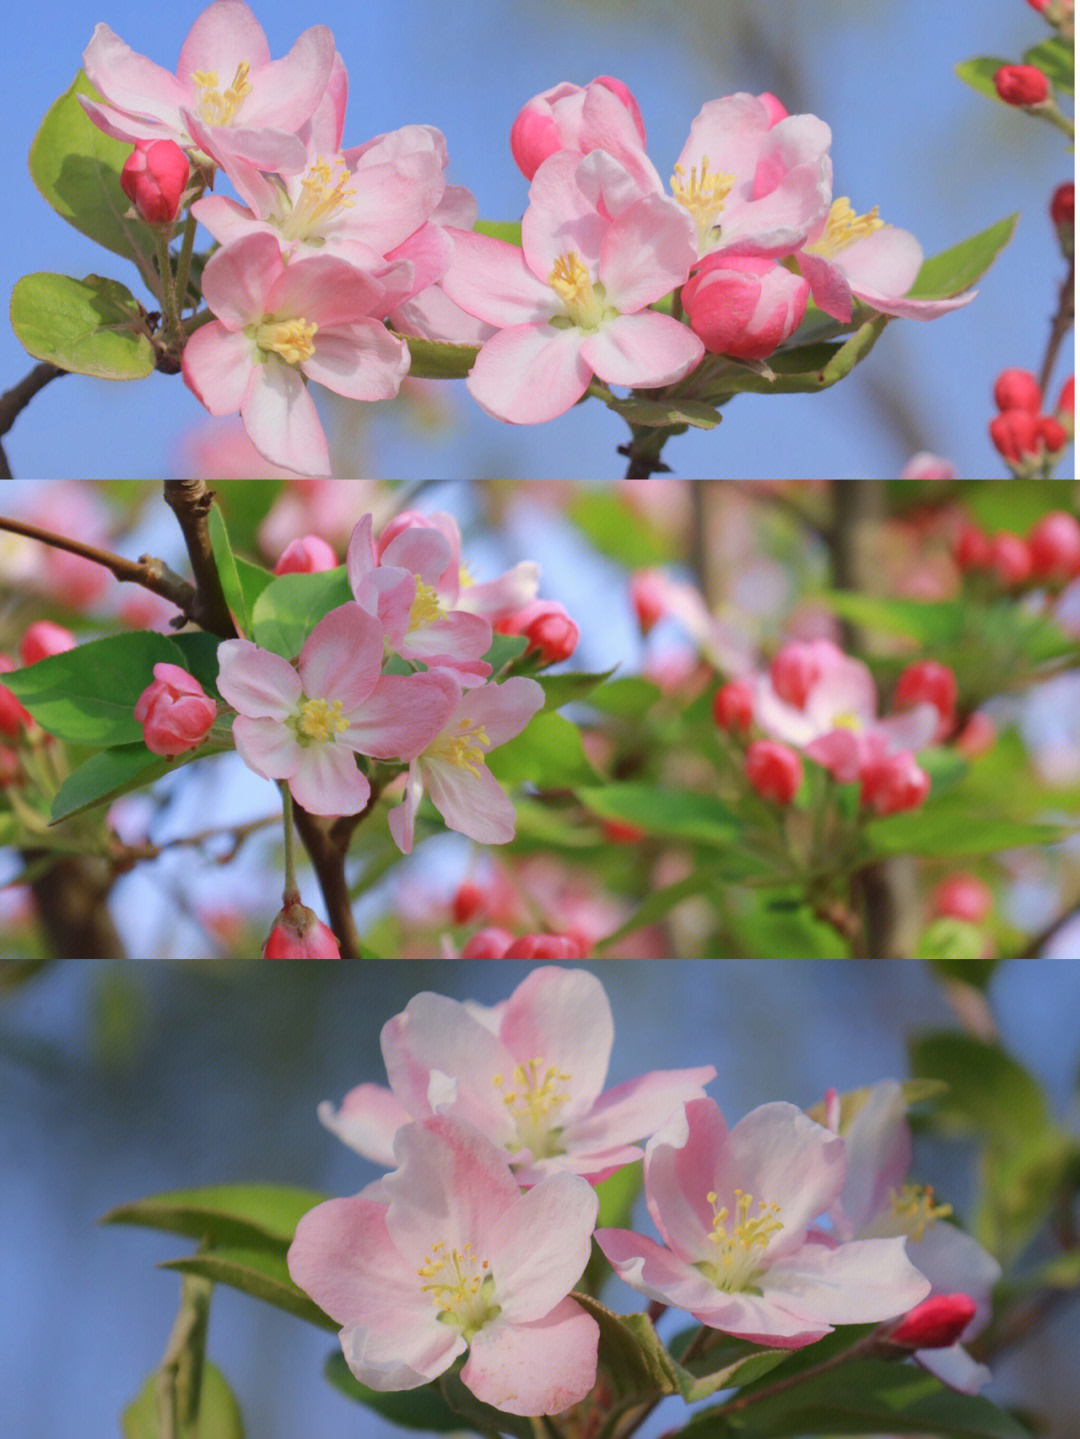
(260, 1271)
(990, 1093)
(634, 1361)
(423, 1408)
(218, 1418)
(118, 770)
(77, 168)
(559, 690)
(931, 624)
(290, 607)
(615, 530)
(91, 326)
(548, 753)
(675, 814)
(253, 1213)
(88, 695)
(950, 826)
(1056, 58)
(235, 597)
(957, 268)
(435, 360)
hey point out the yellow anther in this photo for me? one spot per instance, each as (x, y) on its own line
(570, 280)
(293, 340)
(324, 190)
(320, 720)
(218, 107)
(426, 607)
(915, 1208)
(701, 193)
(464, 749)
(739, 1238)
(844, 227)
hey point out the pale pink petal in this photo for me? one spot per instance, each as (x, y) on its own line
(886, 261)
(266, 746)
(642, 350)
(856, 1283)
(428, 251)
(224, 35)
(130, 81)
(265, 149)
(728, 132)
(284, 93)
(239, 278)
(955, 1367)
(217, 367)
(402, 818)
(453, 636)
(227, 221)
(529, 374)
(422, 551)
(539, 1248)
(655, 1271)
(538, 1368)
(256, 682)
(783, 1157)
(360, 557)
(432, 315)
(955, 1263)
(342, 658)
(367, 1120)
(561, 218)
(647, 252)
(779, 223)
(402, 715)
(342, 1256)
(472, 804)
(563, 1017)
(361, 360)
(323, 289)
(638, 1107)
(495, 599)
(878, 1144)
(828, 285)
(127, 128)
(489, 279)
(505, 709)
(905, 309)
(404, 1354)
(682, 1165)
(326, 780)
(281, 420)
(913, 730)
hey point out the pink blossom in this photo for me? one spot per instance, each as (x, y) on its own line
(529, 1074)
(573, 301)
(744, 305)
(154, 178)
(1010, 559)
(876, 1202)
(175, 711)
(489, 943)
(933, 683)
(278, 324)
(1017, 390)
(548, 628)
(602, 115)
(228, 100)
(307, 556)
(544, 946)
(1054, 544)
(774, 770)
(298, 933)
(452, 770)
(734, 1209)
(446, 1255)
(964, 896)
(303, 725)
(42, 639)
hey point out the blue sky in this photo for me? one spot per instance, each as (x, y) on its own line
(937, 158)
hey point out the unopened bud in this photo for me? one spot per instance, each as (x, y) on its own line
(491, 943)
(175, 711)
(932, 683)
(936, 1323)
(42, 639)
(1015, 435)
(963, 896)
(1021, 85)
(544, 946)
(1010, 559)
(298, 933)
(774, 770)
(14, 717)
(893, 783)
(1017, 390)
(306, 556)
(547, 627)
(1054, 545)
(154, 178)
(733, 706)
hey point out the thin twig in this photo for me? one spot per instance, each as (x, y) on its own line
(1063, 322)
(15, 400)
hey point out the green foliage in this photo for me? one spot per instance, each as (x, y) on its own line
(979, 73)
(954, 270)
(218, 1417)
(1056, 58)
(548, 753)
(674, 814)
(951, 938)
(663, 414)
(560, 689)
(949, 825)
(437, 360)
(235, 596)
(258, 1270)
(290, 606)
(92, 326)
(615, 531)
(233, 1213)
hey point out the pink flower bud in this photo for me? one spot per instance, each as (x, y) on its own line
(489, 943)
(1063, 205)
(1010, 559)
(14, 717)
(1017, 390)
(893, 782)
(648, 595)
(936, 1323)
(933, 683)
(971, 550)
(1021, 85)
(1064, 407)
(963, 896)
(733, 706)
(619, 831)
(154, 178)
(794, 670)
(306, 556)
(547, 627)
(298, 933)
(469, 901)
(42, 639)
(977, 736)
(544, 946)
(555, 120)
(1053, 434)
(744, 305)
(1039, 5)
(175, 711)
(924, 466)
(1015, 434)
(774, 770)
(1054, 545)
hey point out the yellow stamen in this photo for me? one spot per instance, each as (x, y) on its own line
(583, 301)
(465, 749)
(702, 194)
(324, 189)
(218, 108)
(321, 720)
(844, 227)
(739, 1244)
(293, 340)
(426, 607)
(461, 1286)
(534, 1104)
(914, 1207)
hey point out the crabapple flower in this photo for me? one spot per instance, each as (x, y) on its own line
(227, 101)
(891, 782)
(934, 683)
(304, 724)
(175, 711)
(306, 556)
(925, 466)
(744, 305)
(734, 1208)
(602, 115)
(42, 639)
(298, 933)
(529, 1074)
(548, 628)
(876, 1201)
(154, 178)
(446, 1255)
(963, 896)
(573, 301)
(451, 767)
(278, 324)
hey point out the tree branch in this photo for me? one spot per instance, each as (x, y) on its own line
(190, 501)
(15, 400)
(327, 842)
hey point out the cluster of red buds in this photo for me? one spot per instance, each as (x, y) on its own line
(1030, 441)
(1048, 555)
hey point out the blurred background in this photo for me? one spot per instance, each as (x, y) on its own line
(122, 1080)
(908, 136)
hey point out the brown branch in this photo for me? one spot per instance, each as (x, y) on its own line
(327, 842)
(15, 400)
(71, 904)
(190, 502)
(1063, 322)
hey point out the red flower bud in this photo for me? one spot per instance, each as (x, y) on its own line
(963, 896)
(469, 900)
(14, 717)
(306, 556)
(1064, 406)
(154, 178)
(544, 946)
(298, 933)
(487, 944)
(1010, 559)
(794, 669)
(1021, 85)
(1053, 434)
(936, 1323)
(617, 831)
(894, 782)
(547, 627)
(175, 711)
(933, 683)
(733, 706)
(1017, 390)
(648, 595)
(971, 550)
(1063, 205)
(42, 639)
(1054, 545)
(1015, 434)
(774, 770)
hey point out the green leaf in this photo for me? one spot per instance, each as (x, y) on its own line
(91, 326)
(617, 531)
(77, 168)
(950, 826)
(88, 695)
(957, 268)
(990, 1093)
(504, 649)
(218, 1418)
(561, 689)
(201, 657)
(803, 369)
(1056, 58)
(105, 775)
(630, 696)
(423, 1408)
(548, 753)
(675, 814)
(436, 360)
(509, 230)
(979, 74)
(260, 1271)
(660, 414)
(930, 624)
(290, 607)
(253, 580)
(1005, 505)
(250, 1213)
(637, 1366)
(951, 938)
(228, 573)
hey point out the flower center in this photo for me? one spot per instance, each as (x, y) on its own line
(461, 1287)
(843, 228)
(320, 720)
(426, 607)
(324, 190)
(465, 748)
(582, 300)
(534, 1103)
(218, 107)
(915, 1210)
(293, 340)
(702, 194)
(739, 1240)
(847, 720)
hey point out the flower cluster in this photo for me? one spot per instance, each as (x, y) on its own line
(1048, 555)
(1029, 441)
(774, 1230)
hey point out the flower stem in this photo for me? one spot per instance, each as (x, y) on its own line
(292, 893)
(173, 329)
(183, 269)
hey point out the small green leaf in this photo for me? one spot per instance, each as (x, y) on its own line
(951, 938)
(436, 360)
(253, 580)
(508, 230)
(675, 814)
(88, 695)
(660, 414)
(548, 753)
(1056, 58)
(290, 607)
(77, 168)
(615, 530)
(656, 907)
(560, 690)
(916, 1091)
(950, 826)
(228, 573)
(105, 775)
(423, 1408)
(979, 73)
(218, 1418)
(253, 1213)
(635, 1362)
(91, 326)
(956, 269)
(630, 695)
(930, 624)
(259, 1271)
(504, 649)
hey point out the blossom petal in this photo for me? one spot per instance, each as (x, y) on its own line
(636, 1108)
(281, 420)
(472, 804)
(682, 1165)
(529, 373)
(647, 252)
(563, 1016)
(342, 1255)
(538, 1368)
(783, 1157)
(225, 35)
(402, 715)
(342, 657)
(642, 350)
(856, 1283)
(266, 746)
(130, 81)
(540, 1247)
(239, 278)
(489, 279)
(255, 682)
(326, 780)
(361, 360)
(217, 367)
(367, 1119)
